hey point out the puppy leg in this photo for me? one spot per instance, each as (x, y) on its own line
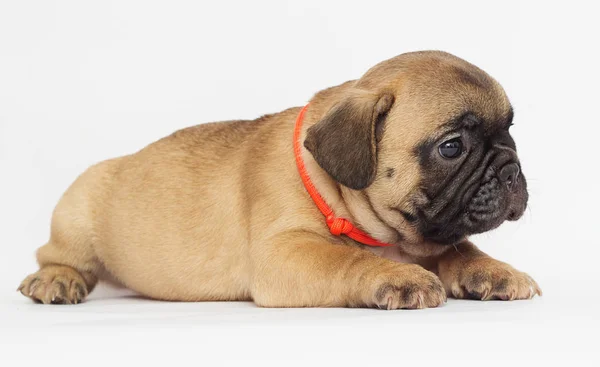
(470, 273)
(66, 275)
(300, 269)
(68, 264)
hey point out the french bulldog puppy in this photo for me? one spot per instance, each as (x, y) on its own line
(416, 155)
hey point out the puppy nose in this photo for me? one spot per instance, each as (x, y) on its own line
(509, 174)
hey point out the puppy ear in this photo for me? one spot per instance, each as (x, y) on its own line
(344, 142)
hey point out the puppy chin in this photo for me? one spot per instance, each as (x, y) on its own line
(445, 239)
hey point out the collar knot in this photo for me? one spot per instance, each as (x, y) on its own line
(338, 226)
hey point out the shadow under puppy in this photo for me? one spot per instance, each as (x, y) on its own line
(416, 155)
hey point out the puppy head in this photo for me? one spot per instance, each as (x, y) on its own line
(425, 137)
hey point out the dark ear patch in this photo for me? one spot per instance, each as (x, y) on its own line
(344, 142)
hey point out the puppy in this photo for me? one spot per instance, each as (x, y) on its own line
(368, 204)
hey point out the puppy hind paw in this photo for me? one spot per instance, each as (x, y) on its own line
(54, 285)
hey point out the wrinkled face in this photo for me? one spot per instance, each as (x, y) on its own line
(471, 179)
(425, 137)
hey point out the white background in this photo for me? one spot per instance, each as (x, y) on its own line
(82, 81)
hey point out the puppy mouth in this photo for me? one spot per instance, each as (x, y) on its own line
(484, 205)
(484, 210)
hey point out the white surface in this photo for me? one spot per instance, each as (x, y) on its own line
(553, 328)
(85, 81)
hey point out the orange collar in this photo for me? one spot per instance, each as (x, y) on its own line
(337, 226)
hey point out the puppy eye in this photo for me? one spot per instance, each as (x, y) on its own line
(451, 148)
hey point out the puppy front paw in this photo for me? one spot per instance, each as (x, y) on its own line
(486, 278)
(411, 287)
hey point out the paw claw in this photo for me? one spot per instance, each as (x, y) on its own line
(420, 301)
(456, 291)
(487, 295)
